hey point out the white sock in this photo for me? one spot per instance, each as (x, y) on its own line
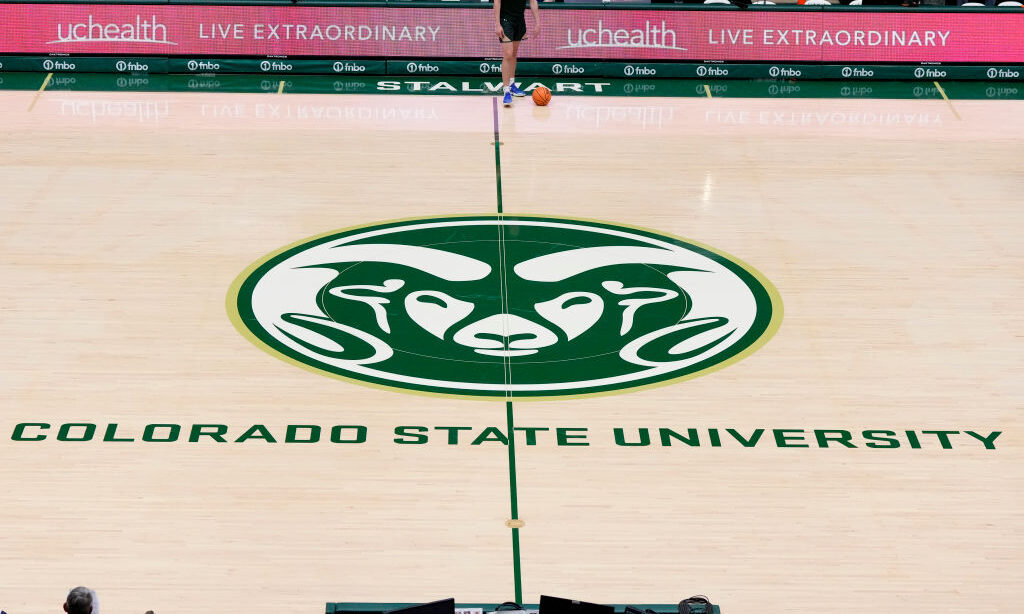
(506, 89)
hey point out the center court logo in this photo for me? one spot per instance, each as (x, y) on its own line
(495, 306)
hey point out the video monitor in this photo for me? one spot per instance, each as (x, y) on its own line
(557, 605)
(444, 606)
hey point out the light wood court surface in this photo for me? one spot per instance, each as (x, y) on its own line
(893, 231)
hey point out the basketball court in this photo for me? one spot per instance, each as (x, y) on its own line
(864, 452)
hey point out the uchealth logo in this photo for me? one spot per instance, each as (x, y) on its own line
(142, 30)
(652, 35)
(504, 306)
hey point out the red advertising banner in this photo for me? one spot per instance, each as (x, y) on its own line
(415, 32)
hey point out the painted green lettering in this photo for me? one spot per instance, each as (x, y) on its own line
(667, 435)
(19, 431)
(989, 441)
(746, 443)
(912, 438)
(943, 438)
(490, 433)
(64, 434)
(620, 438)
(360, 434)
(824, 436)
(111, 434)
(418, 434)
(872, 437)
(716, 440)
(291, 435)
(531, 433)
(149, 434)
(257, 431)
(453, 432)
(564, 435)
(782, 438)
(203, 430)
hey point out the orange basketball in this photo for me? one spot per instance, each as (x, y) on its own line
(541, 96)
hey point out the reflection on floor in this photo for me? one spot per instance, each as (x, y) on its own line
(476, 86)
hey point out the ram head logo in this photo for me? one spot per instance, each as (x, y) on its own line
(494, 313)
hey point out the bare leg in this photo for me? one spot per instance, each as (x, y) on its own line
(515, 59)
(508, 62)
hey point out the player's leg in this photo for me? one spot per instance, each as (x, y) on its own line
(508, 59)
(520, 32)
(508, 63)
(512, 76)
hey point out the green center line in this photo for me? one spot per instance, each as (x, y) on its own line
(509, 413)
(517, 572)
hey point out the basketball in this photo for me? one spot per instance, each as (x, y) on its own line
(541, 96)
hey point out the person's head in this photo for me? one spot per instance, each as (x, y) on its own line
(79, 601)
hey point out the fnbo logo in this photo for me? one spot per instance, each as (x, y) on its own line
(505, 306)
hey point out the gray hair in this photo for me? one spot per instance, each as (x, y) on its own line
(79, 601)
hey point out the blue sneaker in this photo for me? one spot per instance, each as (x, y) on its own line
(515, 90)
(507, 100)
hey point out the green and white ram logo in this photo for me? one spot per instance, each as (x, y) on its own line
(505, 306)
